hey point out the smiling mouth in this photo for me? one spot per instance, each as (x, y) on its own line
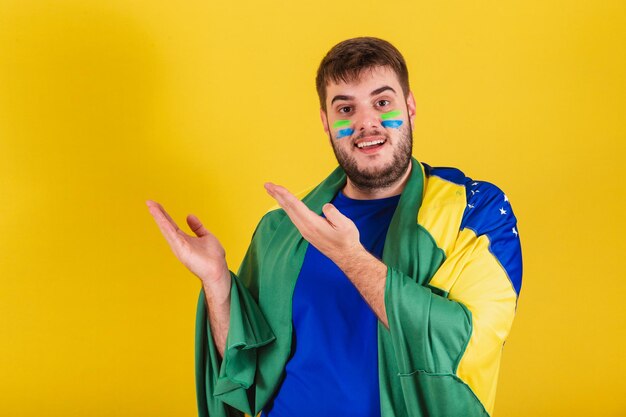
(370, 144)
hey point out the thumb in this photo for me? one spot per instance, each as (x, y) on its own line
(196, 226)
(335, 217)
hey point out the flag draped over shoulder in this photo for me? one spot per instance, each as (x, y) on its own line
(454, 274)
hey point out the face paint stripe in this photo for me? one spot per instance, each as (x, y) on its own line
(390, 115)
(344, 132)
(341, 123)
(392, 123)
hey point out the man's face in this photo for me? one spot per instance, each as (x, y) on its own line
(369, 123)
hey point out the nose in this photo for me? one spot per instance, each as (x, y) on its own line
(366, 119)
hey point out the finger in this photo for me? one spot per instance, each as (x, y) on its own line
(196, 226)
(335, 217)
(303, 217)
(167, 226)
(286, 199)
(156, 207)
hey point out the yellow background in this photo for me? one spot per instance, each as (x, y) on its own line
(104, 104)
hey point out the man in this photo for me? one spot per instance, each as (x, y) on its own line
(389, 290)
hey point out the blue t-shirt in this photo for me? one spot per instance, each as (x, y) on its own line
(333, 369)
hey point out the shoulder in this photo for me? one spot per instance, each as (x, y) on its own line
(485, 205)
(488, 208)
(487, 214)
(449, 174)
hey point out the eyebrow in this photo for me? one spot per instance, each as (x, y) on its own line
(341, 98)
(381, 89)
(373, 93)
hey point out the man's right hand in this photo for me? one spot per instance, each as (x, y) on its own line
(203, 254)
(205, 257)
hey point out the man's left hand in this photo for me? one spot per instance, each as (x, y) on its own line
(336, 236)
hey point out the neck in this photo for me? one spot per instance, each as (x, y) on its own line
(352, 191)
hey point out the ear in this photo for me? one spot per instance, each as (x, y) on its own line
(324, 121)
(410, 104)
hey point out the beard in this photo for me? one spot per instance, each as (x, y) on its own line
(374, 179)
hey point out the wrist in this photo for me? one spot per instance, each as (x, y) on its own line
(218, 291)
(214, 274)
(351, 257)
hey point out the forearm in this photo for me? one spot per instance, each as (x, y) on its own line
(368, 275)
(217, 299)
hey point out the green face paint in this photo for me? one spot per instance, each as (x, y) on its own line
(344, 128)
(341, 123)
(391, 115)
(389, 119)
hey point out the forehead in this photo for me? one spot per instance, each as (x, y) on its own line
(368, 80)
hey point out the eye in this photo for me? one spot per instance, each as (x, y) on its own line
(344, 109)
(382, 103)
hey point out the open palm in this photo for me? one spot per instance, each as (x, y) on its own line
(202, 254)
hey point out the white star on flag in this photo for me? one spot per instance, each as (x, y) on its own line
(506, 198)
(514, 231)
(502, 210)
(470, 206)
(474, 183)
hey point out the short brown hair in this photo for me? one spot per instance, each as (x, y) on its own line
(346, 60)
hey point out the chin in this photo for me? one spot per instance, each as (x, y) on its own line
(379, 169)
(374, 163)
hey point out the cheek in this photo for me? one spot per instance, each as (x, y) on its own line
(393, 124)
(342, 128)
(342, 133)
(390, 119)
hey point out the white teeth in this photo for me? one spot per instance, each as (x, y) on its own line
(375, 142)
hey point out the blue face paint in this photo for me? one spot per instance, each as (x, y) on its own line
(344, 132)
(392, 123)
(387, 122)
